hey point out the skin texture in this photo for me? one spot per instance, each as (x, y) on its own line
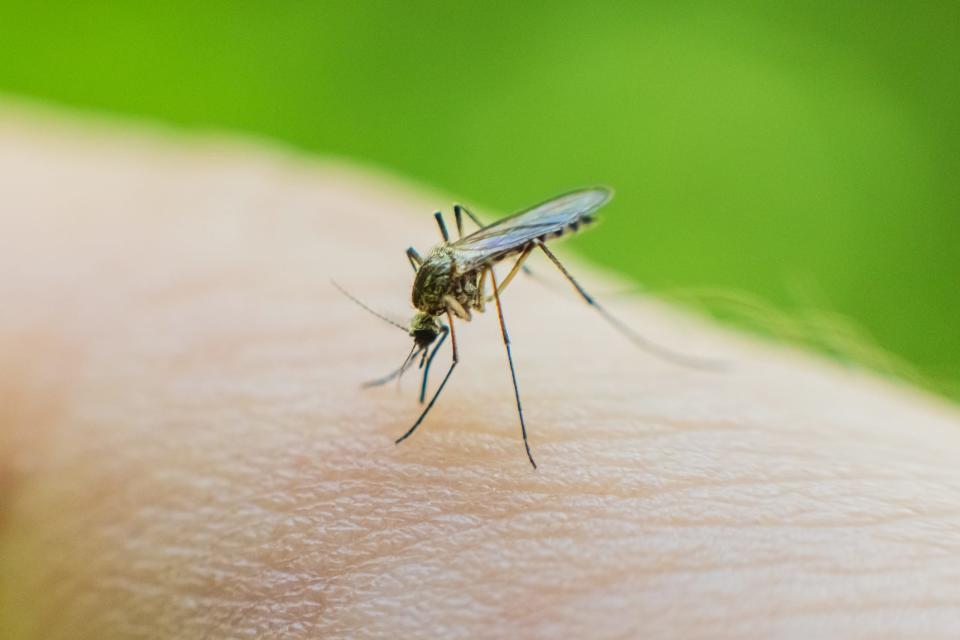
(185, 450)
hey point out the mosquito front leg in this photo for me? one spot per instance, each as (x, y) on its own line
(513, 373)
(433, 400)
(643, 343)
(442, 225)
(414, 258)
(426, 368)
(454, 305)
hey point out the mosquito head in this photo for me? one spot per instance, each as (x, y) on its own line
(424, 329)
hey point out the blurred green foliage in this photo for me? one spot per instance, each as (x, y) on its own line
(808, 153)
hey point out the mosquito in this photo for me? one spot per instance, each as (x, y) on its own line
(451, 282)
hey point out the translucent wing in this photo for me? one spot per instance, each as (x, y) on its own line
(509, 235)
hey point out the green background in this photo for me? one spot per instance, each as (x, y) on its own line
(800, 156)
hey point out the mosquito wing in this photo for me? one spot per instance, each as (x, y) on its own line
(550, 219)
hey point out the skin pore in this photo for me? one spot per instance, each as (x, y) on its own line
(185, 450)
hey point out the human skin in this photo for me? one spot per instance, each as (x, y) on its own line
(185, 451)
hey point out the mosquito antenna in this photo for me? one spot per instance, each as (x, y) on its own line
(368, 309)
(396, 373)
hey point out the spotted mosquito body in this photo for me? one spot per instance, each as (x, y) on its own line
(450, 283)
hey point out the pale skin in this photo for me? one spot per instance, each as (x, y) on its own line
(185, 450)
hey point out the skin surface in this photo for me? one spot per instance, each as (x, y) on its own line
(185, 450)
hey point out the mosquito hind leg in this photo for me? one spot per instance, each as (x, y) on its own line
(436, 394)
(513, 373)
(426, 367)
(644, 343)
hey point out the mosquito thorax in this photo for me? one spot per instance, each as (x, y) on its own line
(433, 281)
(424, 329)
(438, 287)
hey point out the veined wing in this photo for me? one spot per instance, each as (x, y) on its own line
(549, 219)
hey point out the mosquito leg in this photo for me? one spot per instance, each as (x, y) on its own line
(443, 226)
(513, 373)
(458, 216)
(481, 296)
(414, 258)
(426, 367)
(458, 310)
(644, 343)
(516, 267)
(433, 400)
(458, 211)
